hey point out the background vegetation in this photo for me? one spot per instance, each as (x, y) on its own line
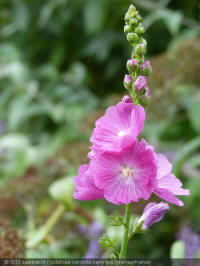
(62, 64)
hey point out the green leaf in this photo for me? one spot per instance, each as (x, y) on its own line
(172, 19)
(184, 153)
(94, 16)
(177, 250)
(193, 111)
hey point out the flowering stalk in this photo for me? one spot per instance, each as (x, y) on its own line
(123, 169)
(136, 81)
(126, 232)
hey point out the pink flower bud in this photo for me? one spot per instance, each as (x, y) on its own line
(127, 99)
(128, 80)
(132, 65)
(153, 213)
(141, 83)
(146, 68)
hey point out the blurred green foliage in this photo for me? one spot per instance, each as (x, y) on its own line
(61, 64)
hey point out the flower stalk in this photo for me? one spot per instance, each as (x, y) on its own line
(125, 239)
(138, 68)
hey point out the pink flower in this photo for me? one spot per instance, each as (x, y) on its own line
(153, 213)
(120, 125)
(125, 176)
(85, 188)
(141, 83)
(167, 185)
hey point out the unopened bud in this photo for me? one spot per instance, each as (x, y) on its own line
(132, 65)
(140, 30)
(140, 49)
(139, 18)
(144, 41)
(141, 83)
(132, 37)
(127, 17)
(133, 21)
(127, 99)
(146, 68)
(128, 80)
(127, 28)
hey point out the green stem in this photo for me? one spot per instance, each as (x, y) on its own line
(126, 232)
(43, 231)
(55, 216)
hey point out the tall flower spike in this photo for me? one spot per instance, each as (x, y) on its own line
(136, 66)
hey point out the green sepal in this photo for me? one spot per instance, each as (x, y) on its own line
(137, 228)
(116, 220)
(106, 241)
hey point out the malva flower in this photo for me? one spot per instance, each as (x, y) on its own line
(153, 213)
(120, 124)
(85, 188)
(167, 185)
(125, 176)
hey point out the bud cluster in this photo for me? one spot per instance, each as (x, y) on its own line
(139, 70)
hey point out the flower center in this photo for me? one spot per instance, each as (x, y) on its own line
(121, 133)
(127, 172)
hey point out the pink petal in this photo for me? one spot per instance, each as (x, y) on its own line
(107, 168)
(164, 166)
(85, 188)
(172, 184)
(119, 121)
(168, 196)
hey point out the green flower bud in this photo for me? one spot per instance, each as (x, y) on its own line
(144, 41)
(132, 37)
(128, 80)
(146, 68)
(140, 49)
(127, 28)
(132, 65)
(140, 30)
(133, 21)
(139, 18)
(144, 101)
(132, 9)
(127, 17)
